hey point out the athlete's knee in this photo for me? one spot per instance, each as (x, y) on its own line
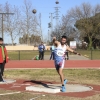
(60, 71)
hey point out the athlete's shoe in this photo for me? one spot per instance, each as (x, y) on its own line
(4, 81)
(65, 81)
(63, 89)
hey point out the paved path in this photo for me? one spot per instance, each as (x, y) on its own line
(71, 57)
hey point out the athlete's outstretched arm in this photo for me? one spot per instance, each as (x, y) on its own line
(71, 50)
(55, 42)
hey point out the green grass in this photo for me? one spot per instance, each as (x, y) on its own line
(86, 76)
(24, 55)
(89, 76)
(28, 96)
(28, 55)
(20, 96)
(95, 53)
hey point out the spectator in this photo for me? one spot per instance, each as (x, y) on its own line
(41, 49)
(52, 52)
(3, 59)
(67, 58)
(66, 54)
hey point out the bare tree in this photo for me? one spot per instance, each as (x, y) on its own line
(12, 23)
(85, 10)
(39, 25)
(67, 28)
(31, 23)
(83, 14)
(1, 10)
(27, 19)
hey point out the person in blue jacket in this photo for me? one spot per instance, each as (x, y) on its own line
(41, 49)
(52, 52)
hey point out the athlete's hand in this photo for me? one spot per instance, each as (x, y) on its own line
(76, 53)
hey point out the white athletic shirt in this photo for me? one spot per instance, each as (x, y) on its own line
(59, 53)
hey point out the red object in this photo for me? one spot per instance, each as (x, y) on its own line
(1, 57)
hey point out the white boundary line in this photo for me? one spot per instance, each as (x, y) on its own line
(51, 68)
(37, 97)
(9, 93)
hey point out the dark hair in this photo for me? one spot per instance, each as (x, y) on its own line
(1, 39)
(65, 37)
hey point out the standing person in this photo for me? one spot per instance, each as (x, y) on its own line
(67, 55)
(59, 54)
(3, 59)
(52, 52)
(41, 49)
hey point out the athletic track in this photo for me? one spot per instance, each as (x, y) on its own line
(50, 64)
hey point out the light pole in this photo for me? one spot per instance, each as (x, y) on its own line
(2, 21)
(48, 37)
(51, 24)
(57, 14)
(34, 12)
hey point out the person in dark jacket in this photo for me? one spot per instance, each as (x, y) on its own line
(3, 59)
(52, 52)
(41, 49)
(66, 53)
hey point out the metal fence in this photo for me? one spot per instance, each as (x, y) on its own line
(29, 55)
(91, 54)
(24, 55)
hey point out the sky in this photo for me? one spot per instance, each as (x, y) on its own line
(45, 7)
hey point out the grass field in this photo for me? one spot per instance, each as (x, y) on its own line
(86, 76)
(95, 54)
(28, 55)
(24, 55)
(73, 75)
(28, 96)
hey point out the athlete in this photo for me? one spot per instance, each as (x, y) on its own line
(59, 58)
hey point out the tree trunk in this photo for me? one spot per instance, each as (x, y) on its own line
(90, 42)
(12, 40)
(28, 40)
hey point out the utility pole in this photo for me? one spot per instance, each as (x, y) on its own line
(2, 14)
(34, 12)
(48, 37)
(51, 23)
(41, 28)
(57, 14)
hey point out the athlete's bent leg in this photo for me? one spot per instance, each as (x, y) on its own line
(60, 72)
(63, 88)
